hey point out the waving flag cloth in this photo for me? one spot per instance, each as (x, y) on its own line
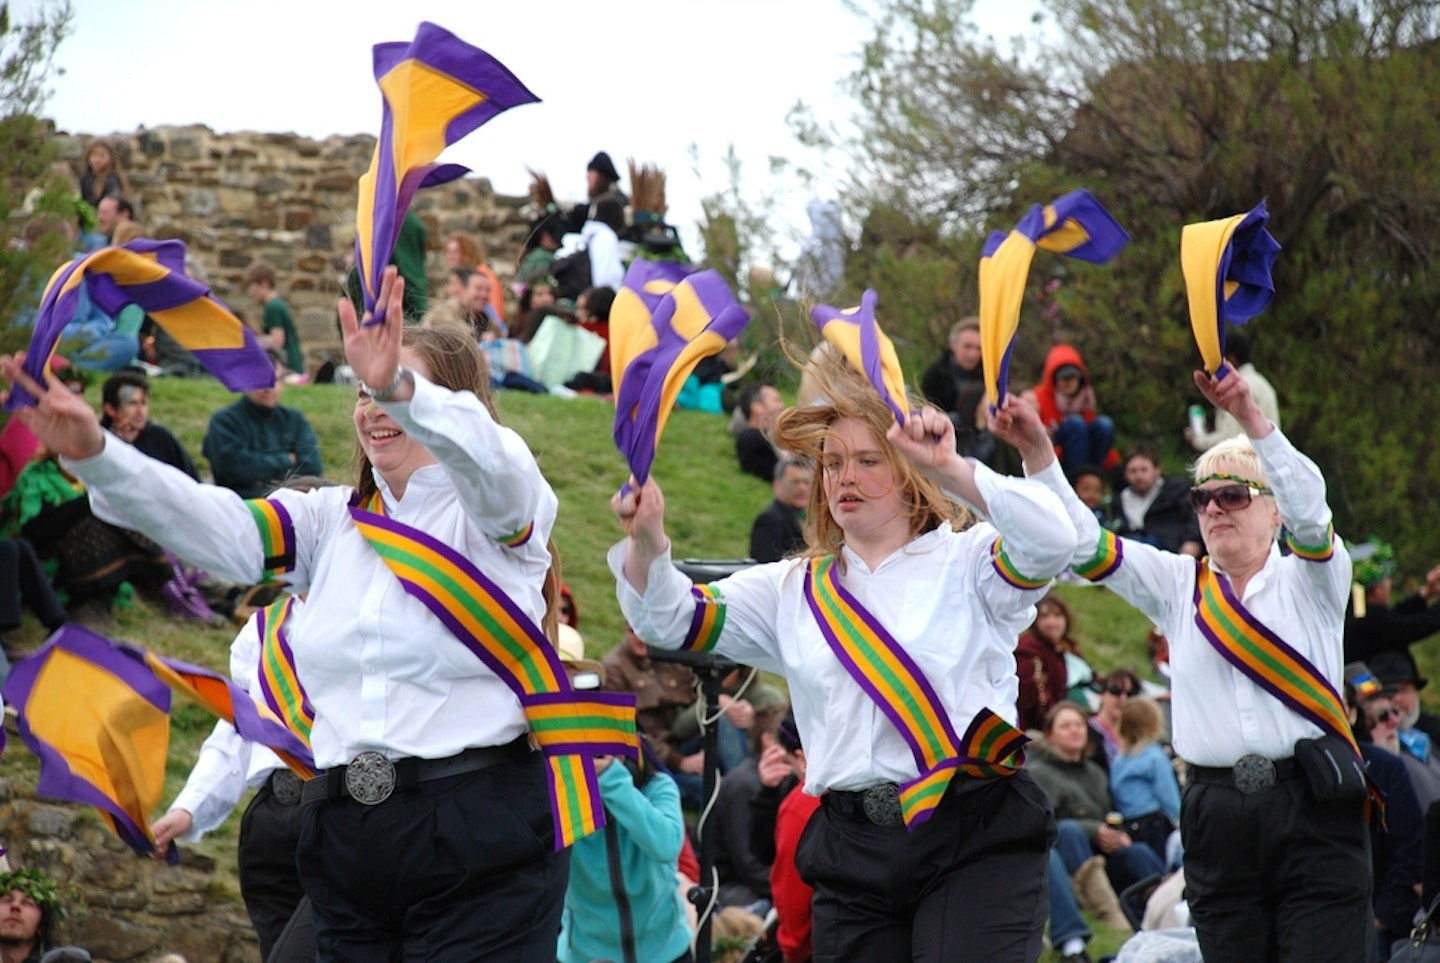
(660, 346)
(1075, 225)
(1227, 277)
(96, 713)
(150, 274)
(437, 88)
(858, 337)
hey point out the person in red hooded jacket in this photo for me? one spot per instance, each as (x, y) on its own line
(1067, 408)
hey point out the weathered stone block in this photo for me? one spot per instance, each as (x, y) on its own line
(313, 263)
(337, 181)
(185, 147)
(261, 219)
(151, 144)
(272, 184)
(317, 237)
(201, 202)
(234, 259)
(54, 823)
(111, 938)
(302, 284)
(297, 219)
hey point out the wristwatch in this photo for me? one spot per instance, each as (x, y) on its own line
(402, 374)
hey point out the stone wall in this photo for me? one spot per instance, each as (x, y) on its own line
(135, 909)
(289, 200)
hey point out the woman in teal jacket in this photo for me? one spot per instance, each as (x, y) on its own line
(638, 916)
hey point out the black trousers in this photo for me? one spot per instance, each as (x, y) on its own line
(969, 884)
(23, 583)
(456, 870)
(296, 943)
(1277, 875)
(269, 881)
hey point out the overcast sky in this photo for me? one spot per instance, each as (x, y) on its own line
(637, 78)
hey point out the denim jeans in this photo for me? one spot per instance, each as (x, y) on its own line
(1065, 920)
(1083, 443)
(1124, 866)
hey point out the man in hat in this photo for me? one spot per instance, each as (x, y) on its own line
(1372, 624)
(1396, 671)
(601, 181)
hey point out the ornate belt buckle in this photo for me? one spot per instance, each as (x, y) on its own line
(1253, 774)
(882, 804)
(370, 778)
(285, 786)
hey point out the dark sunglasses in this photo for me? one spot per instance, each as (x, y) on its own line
(1385, 715)
(1118, 689)
(1230, 498)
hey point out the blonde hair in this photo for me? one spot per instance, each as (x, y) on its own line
(1237, 452)
(803, 432)
(1141, 723)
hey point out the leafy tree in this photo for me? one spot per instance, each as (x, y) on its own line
(37, 206)
(1176, 111)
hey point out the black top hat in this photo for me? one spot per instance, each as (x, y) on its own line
(1395, 666)
(602, 165)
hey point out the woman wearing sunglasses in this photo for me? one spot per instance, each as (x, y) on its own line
(1254, 820)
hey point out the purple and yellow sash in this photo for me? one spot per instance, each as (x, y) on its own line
(990, 746)
(570, 727)
(1109, 554)
(276, 680)
(1267, 660)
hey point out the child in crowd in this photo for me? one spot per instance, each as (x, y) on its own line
(1142, 781)
(277, 325)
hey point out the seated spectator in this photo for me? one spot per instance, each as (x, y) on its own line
(1118, 686)
(1079, 792)
(779, 529)
(1040, 663)
(30, 907)
(102, 176)
(779, 815)
(755, 411)
(277, 324)
(1383, 722)
(1154, 509)
(955, 382)
(537, 302)
(1142, 781)
(1396, 848)
(592, 313)
(256, 443)
(1372, 624)
(462, 250)
(1089, 482)
(105, 343)
(543, 240)
(125, 403)
(1066, 400)
(479, 308)
(744, 876)
(663, 691)
(110, 213)
(627, 906)
(1396, 671)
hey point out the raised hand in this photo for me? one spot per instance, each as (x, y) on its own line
(1018, 424)
(373, 347)
(61, 420)
(641, 511)
(927, 440)
(1231, 393)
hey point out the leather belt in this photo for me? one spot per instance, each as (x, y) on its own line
(878, 804)
(370, 778)
(1251, 774)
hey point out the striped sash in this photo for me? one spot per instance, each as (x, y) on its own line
(1267, 660)
(570, 727)
(990, 746)
(275, 676)
(1109, 554)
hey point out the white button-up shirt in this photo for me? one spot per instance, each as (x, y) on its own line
(941, 598)
(381, 671)
(1217, 713)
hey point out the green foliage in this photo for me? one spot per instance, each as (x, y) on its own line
(37, 213)
(1173, 112)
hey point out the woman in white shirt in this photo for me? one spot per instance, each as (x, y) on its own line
(945, 598)
(441, 840)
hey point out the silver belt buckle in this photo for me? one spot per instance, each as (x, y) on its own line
(370, 778)
(882, 804)
(1253, 774)
(285, 786)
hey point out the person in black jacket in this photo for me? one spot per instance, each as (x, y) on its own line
(1372, 624)
(1154, 509)
(125, 401)
(955, 382)
(780, 528)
